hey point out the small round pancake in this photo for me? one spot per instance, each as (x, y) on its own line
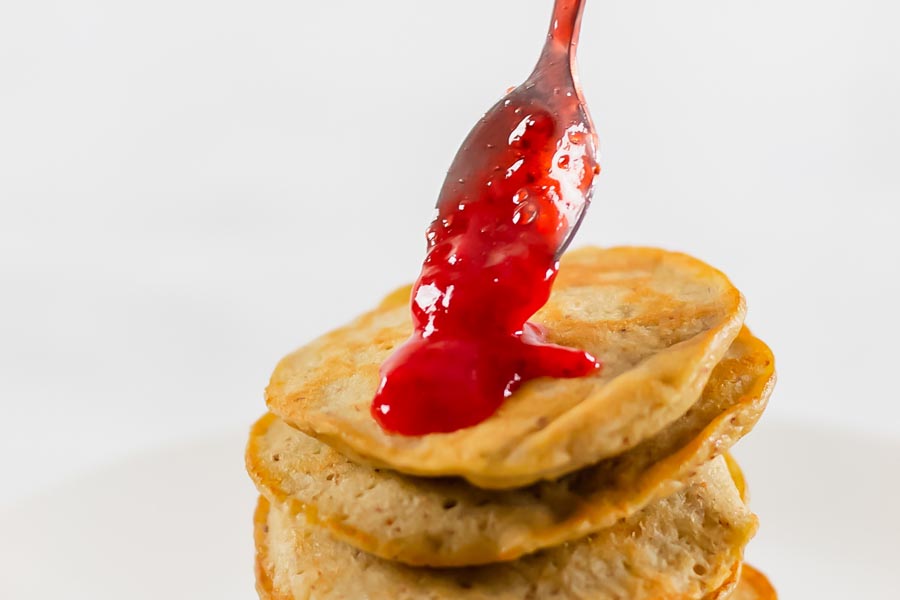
(731, 590)
(446, 522)
(754, 586)
(683, 546)
(659, 321)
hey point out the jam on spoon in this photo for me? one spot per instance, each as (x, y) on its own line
(512, 200)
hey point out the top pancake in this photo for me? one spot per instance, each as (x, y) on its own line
(659, 321)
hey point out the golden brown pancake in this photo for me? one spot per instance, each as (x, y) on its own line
(733, 589)
(754, 586)
(447, 522)
(660, 321)
(687, 545)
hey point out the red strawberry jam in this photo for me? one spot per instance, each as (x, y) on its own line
(514, 196)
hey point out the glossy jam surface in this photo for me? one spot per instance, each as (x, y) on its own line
(513, 197)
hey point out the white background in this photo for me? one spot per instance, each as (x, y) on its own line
(190, 189)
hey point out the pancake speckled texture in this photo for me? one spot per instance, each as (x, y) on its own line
(447, 522)
(685, 546)
(659, 321)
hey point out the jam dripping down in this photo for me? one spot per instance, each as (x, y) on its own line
(512, 200)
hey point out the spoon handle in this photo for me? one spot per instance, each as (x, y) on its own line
(566, 24)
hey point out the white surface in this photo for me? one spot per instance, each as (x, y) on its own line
(176, 524)
(190, 189)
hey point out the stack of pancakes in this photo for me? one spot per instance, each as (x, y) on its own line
(616, 485)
